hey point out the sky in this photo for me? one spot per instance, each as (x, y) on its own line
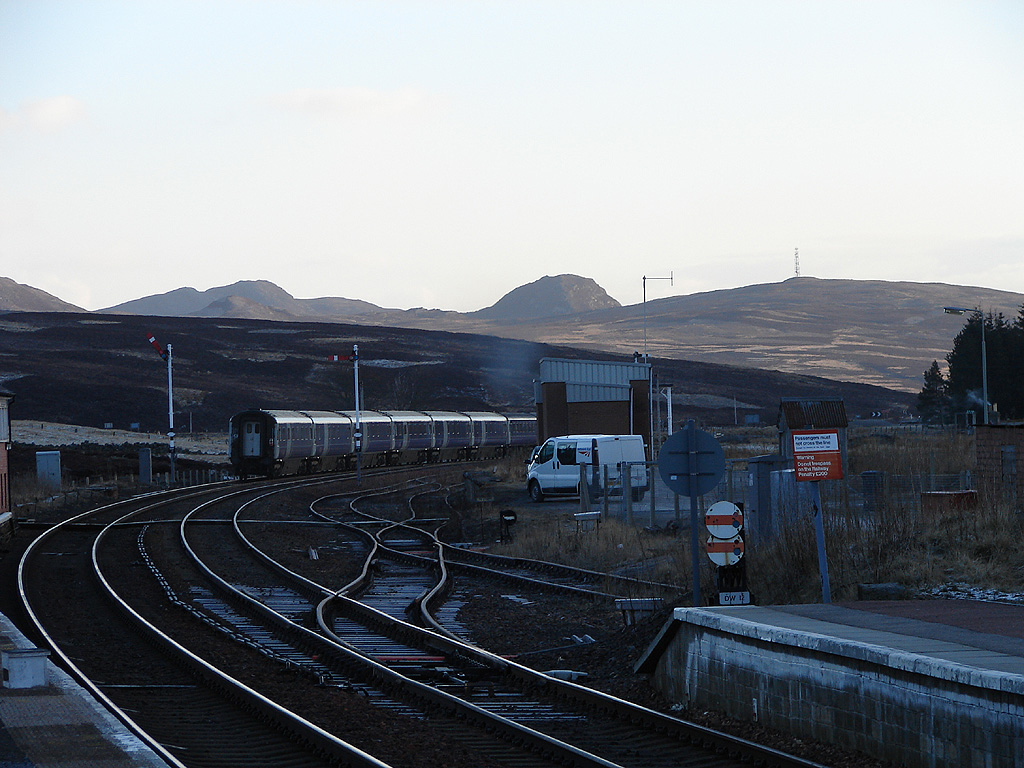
(440, 154)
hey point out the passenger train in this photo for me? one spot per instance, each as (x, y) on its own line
(273, 442)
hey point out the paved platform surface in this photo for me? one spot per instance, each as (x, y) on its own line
(61, 725)
(951, 633)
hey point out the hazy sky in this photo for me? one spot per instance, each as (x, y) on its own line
(440, 154)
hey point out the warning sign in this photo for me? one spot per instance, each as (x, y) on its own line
(816, 455)
(725, 551)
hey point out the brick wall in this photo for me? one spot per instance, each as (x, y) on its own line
(999, 454)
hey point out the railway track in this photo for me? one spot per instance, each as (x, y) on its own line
(187, 710)
(211, 581)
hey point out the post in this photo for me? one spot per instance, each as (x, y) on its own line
(170, 411)
(819, 534)
(625, 483)
(650, 377)
(650, 469)
(984, 368)
(359, 429)
(584, 490)
(668, 396)
(691, 447)
(604, 496)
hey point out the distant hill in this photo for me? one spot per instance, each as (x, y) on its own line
(549, 297)
(16, 297)
(261, 299)
(238, 306)
(867, 331)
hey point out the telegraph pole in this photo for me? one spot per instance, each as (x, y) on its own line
(359, 428)
(166, 355)
(170, 412)
(647, 360)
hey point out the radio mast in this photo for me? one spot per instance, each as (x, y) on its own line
(796, 258)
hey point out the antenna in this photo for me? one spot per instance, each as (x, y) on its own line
(796, 258)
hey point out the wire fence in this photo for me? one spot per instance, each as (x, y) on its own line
(655, 505)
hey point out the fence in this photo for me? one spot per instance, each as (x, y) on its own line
(659, 507)
(101, 490)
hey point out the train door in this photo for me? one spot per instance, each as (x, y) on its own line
(251, 439)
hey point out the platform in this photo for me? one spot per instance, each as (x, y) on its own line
(59, 725)
(913, 682)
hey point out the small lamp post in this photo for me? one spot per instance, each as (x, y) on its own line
(984, 353)
(647, 359)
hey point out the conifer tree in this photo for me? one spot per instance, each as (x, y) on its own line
(933, 401)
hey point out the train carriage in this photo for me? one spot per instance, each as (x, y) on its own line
(522, 431)
(453, 435)
(490, 434)
(280, 442)
(413, 436)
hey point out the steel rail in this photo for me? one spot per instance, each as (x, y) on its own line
(568, 689)
(313, 736)
(529, 679)
(387, 679)
(159, 498)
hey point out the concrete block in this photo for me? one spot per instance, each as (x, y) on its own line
(24, 667)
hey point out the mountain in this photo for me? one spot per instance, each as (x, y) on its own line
(868, 331)
(16, 297)
(549, 297)
(238, 306)
(232, 300)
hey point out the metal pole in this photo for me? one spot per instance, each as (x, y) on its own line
(984, 367)
(691, 447)
(359, 427)
(819, 533)
(650, 378)
(668, 397)
(170, 410)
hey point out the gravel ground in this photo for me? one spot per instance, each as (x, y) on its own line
(537, 630)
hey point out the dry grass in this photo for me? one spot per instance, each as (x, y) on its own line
(896, 542)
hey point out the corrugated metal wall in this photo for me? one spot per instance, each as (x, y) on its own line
(592, 372)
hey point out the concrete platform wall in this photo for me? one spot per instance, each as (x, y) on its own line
(893, 705)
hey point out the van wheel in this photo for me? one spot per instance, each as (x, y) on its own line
(536, 494)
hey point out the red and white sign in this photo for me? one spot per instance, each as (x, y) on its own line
(725, 551)
(816, 454)
(723, 520)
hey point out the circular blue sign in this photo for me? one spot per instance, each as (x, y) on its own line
(691, 462)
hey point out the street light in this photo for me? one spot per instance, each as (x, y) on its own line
(645, 279)
(984, 353)
(647, 359)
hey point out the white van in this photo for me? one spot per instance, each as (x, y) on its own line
(554, 468)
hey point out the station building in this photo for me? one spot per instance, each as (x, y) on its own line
(578, 397)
